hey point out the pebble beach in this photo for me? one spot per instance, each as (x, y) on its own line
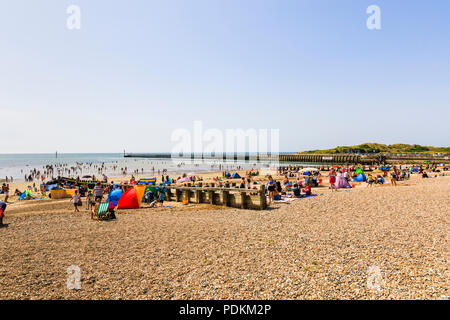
(365, 243)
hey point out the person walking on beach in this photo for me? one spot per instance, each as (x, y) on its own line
(76, 201)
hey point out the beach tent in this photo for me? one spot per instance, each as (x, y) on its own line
(228, 175)
(359, 171)
(140, 190)
(341, 182)
(236, 175)
(152, 190)
(129, 200)
(115, 196)
(360, 178)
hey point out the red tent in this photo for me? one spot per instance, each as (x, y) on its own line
(129, 200)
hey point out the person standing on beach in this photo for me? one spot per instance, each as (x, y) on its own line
(332, 176)
(76, 201)
(98, 192)
(394, 178)
(5, 189)
(271, 188)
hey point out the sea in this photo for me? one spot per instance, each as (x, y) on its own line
(19, 165)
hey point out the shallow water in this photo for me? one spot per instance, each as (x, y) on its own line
(17, 165)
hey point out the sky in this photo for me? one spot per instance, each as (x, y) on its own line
(136, 71)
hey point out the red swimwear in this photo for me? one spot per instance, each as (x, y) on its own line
(332, 179)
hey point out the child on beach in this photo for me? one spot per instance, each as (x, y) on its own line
(332, 176)
(296, 192)
(370, 180)
(90, 200)
(76, 201)
(161, 198)
(95, 208)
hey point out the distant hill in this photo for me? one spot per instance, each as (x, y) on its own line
(383, 148)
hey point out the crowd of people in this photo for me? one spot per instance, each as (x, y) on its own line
(291, 185)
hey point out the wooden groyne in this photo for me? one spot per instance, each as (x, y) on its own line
(206, 156)
(327, 158)
(296, 168)
(228, 197)
(369, 159)
(284, 157)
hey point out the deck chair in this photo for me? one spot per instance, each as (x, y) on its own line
(102, 210)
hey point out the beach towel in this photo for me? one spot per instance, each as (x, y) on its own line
(287, 199)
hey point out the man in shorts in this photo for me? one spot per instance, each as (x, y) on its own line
(98, 192)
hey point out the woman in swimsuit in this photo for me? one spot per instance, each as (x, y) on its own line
(271, 188)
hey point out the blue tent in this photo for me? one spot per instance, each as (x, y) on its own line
(360, 178)
(114, 196)
(236, 175)
(227, 175)
(306, 173)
